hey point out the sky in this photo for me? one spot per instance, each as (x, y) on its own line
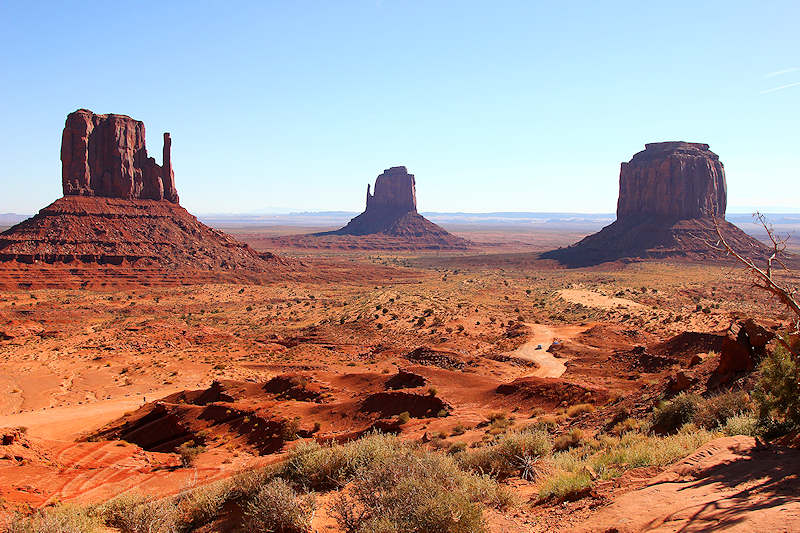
(494, 106)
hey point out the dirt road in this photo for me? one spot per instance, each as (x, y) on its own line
(549, 366)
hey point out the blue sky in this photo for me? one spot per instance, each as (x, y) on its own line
(495, 106)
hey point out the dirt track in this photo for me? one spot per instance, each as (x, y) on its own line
(542, 335)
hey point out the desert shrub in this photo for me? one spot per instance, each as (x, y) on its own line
(245, 483)
(742, 424)
(568, 440)
(403, 417)
(579, 409)
(777, 394)
(318, 466)
(669, 416)
(188, 452)
(290, 428)
(415, 491)
(131, 513)
(566, 486)
(514, 454)
(59, 519)
(714, 411)
(278, 508)
(203, 504)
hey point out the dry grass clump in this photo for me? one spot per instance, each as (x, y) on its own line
(579, 409)
(278, 507)
(59, 519)
(571, 473)
(568, 440)
(564, 486)
(742, 424)
(514, 454)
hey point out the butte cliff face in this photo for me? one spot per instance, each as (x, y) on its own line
(676, 180)
(669, 197)
(105, 155)
(120, 207)
(391, 214)
(395, 190)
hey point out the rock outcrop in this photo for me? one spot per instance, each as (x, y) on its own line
(395, 190)
(120, 207)
(677, 180)
(670, 196)
(391, 213)
(105, 155)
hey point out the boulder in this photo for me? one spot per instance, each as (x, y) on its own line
(743, 347)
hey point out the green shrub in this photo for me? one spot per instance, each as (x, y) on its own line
(403, 418)
(777, 394)
(669, 416)
(59, 519)
(714, 411)
(278, 507)
(514, 454)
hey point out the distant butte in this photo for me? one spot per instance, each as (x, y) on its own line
(392, 212)
(120, 207)
(669, 196)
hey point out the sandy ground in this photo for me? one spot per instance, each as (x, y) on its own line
(591, 298)
(69, 423)
(77, 359)
(730, 484)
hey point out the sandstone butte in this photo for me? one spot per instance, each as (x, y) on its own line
(670, 195)
(392, 212)
(121, 207)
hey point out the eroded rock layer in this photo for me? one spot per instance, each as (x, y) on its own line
(76, 229)
(679, 180)
(670, 195)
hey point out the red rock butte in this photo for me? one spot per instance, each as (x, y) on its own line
(105, 155)
(670, 195)
(120, 207)
(392, 212)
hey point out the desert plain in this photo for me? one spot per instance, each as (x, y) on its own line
(104, 379)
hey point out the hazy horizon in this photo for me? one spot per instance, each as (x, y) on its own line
(517, 108)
